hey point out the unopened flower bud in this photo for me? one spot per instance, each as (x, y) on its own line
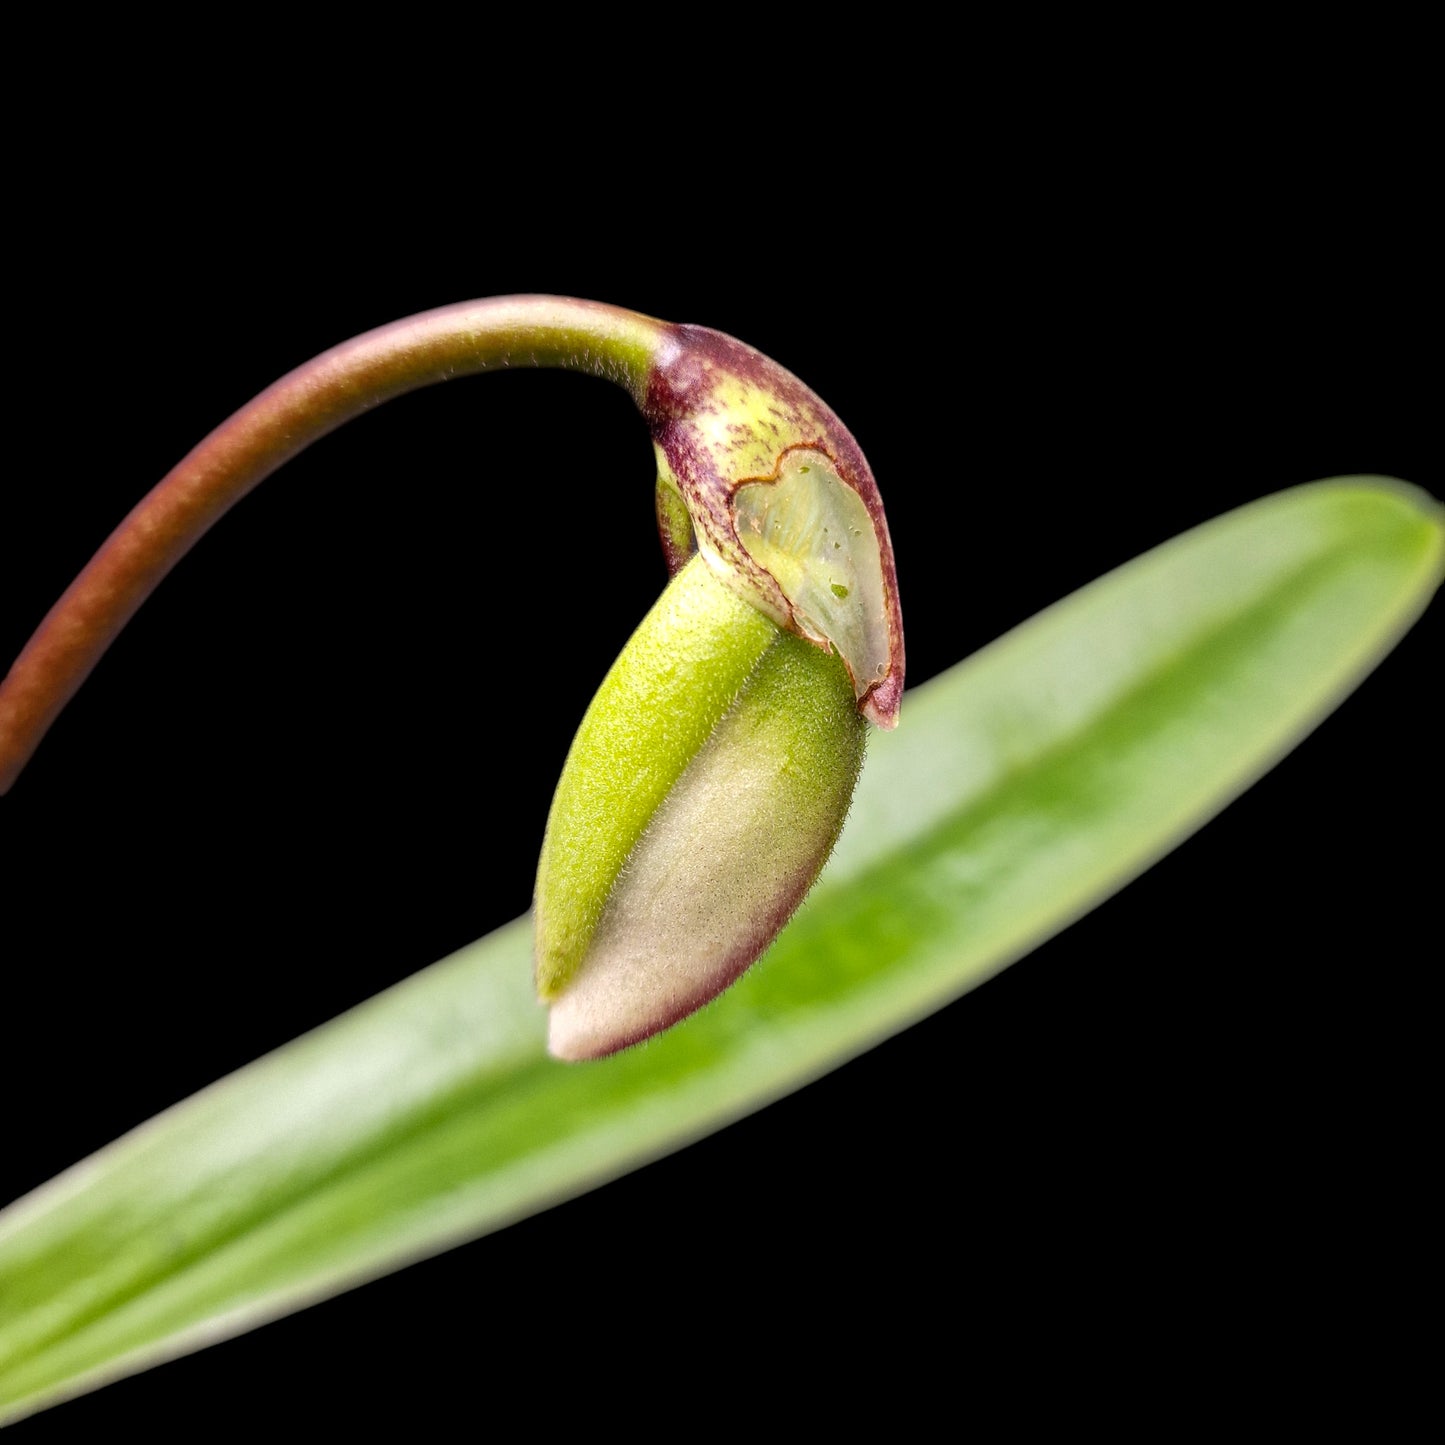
(702, 795)
(714, 769)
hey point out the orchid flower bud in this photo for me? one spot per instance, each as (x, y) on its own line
(713, 771)
(702, 794)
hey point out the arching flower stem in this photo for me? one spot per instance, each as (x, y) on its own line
(300, 408)
(734, 433)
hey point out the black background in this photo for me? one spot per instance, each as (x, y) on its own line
(321, 757)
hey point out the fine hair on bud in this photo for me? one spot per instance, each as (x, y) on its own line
(703, 793)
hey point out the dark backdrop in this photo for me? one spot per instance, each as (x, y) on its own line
(321, 757)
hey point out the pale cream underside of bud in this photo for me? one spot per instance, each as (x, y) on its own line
(669, 930)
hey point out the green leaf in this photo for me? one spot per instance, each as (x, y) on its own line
(1022, 788)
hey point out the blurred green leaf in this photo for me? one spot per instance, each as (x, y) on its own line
(1024, 786)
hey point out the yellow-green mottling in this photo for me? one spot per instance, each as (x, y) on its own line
(746, 429)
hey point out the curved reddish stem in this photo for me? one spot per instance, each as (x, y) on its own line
(286, 418)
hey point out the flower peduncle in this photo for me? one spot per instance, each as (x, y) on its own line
(300, 408)
(725, 420)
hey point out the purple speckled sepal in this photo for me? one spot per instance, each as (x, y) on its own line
(722, 416)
